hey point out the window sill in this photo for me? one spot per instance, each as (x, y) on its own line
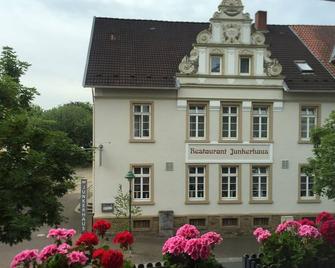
(202, 202)
(141, 141)
(269, 202)
(230, 141)
(143, 203)
(261, 141)
(304, 142)
(197, 141)
(309, 201)
(227, 202)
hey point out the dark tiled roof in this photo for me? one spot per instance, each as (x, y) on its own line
(144, 53)
(320, 40)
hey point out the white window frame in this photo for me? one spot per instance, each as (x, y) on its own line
(260, 116)
(197, 175)
(197, 114)
(240, 65)
(141, 114)
(141, 176)
(307, 186)
(229, 115)
(259, 177)
(308, 117)
(210, 64)
(229, 176)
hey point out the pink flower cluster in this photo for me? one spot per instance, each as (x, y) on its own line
(61, 233)
(24, 258)
(188, 241)
(52, 250)
(288, 226)
(77, 257)
(188, 231)
(308, 231)
(261, 234)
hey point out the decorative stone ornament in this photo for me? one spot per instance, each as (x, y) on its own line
(204, 36)
(189, 65)
(272, 66)
(231, 7)
(231, 33)
(258, 38)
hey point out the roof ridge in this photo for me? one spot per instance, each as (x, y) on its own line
(152, 20)
(314, 25)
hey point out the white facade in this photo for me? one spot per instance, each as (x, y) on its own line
(169, 143)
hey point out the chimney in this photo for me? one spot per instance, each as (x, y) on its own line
(261, 21)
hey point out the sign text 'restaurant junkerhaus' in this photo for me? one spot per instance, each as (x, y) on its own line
(225, 153)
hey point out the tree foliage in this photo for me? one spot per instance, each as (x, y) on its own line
(322, 165)
(75, 119)
(121, 205)
(36, 164)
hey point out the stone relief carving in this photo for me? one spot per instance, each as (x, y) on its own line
(272, 66)
(246, 52)
(258, 38)
(204, 36)
(231, 7)
(216, 51)
(189, 64)
(231, 33)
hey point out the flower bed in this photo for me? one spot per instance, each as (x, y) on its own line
(300, 244)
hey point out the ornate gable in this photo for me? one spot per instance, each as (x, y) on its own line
(231, 32)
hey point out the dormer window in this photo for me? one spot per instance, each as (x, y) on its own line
(245, 65)
(304, 67)
(216, 64)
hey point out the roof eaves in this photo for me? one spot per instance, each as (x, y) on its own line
(132, 87)
(88, 53)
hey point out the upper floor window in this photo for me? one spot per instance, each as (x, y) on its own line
(197, 121)
(308, 121)
(216, 64)
(141, 126)
(245, 65)
(230, 122)
(261, 122)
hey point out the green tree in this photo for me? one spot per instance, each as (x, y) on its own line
(75, 119)
(36, 164)
(322, 165)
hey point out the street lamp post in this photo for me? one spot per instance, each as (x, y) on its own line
(130, 176)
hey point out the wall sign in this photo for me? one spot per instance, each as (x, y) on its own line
(83, 205)
(229, 153)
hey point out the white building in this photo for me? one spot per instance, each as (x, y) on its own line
(215, 128)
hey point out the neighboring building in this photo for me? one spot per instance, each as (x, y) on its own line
(213, 118)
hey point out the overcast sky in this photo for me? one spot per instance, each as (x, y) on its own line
(53, 35)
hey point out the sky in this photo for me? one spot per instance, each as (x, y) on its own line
(53, 35)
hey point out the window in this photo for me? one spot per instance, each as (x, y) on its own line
(230, 222)
(141, 224)
(216, 63)
(245, 65)
(308, 121)
(142, 183)
(306, 186)
(260, 182)
(261, 122)
(230, 122)
(197, 118)
(261, 221)
(198, 222)
(229, 182)
(304, 67)
(197, 188)
(141, 126)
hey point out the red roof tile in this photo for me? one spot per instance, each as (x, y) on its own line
(320, 40)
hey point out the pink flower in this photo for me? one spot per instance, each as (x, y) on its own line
(213, 238)
(174, 245)
(24, 258)
(76, 257)
(63, 248)
(261, 234)
(47, 251)
(188, 231)
(308, 231)
(198, 248)
(61, 233)
(288, 226)
(323, 217)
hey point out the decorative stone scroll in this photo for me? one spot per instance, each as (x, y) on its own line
(204, 36)
(231, 33)
(272, 66)
(189, 64)
(258, 38)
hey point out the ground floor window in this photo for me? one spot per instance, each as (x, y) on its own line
(229, 182)
(142, 183)
(261, 183)
(197, 183)
(306, 184)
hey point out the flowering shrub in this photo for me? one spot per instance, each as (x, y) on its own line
(189, 249)
(101, 227)
(63, 255)
(298, 243)
(125, 239)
